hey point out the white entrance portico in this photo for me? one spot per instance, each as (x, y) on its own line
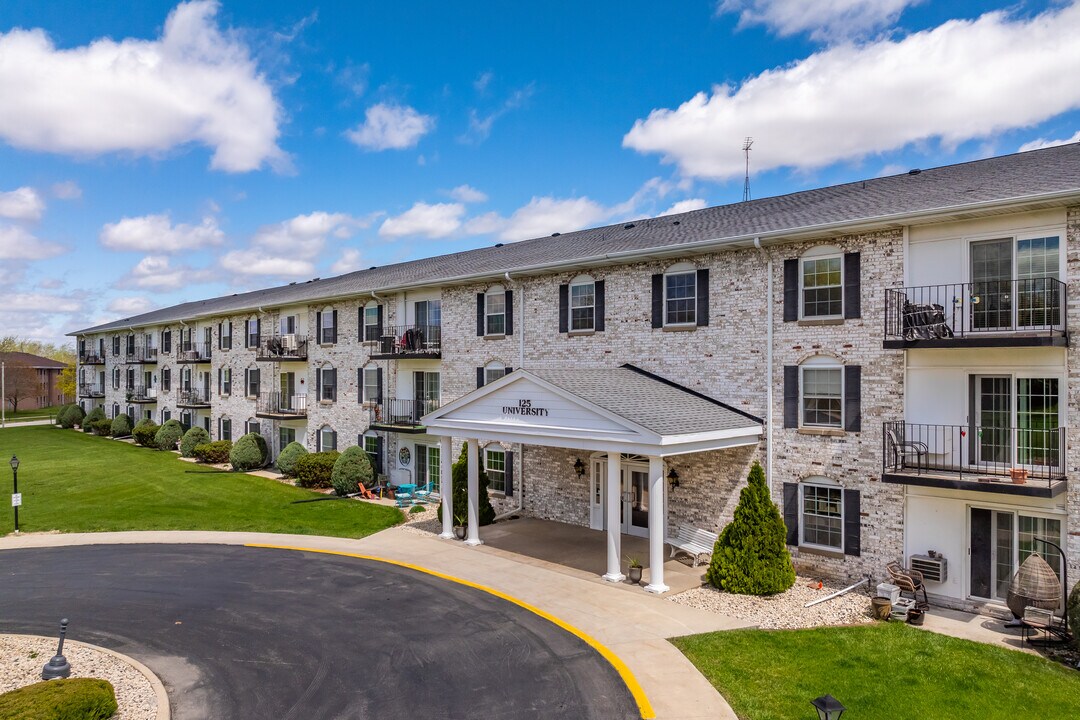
(622, 416)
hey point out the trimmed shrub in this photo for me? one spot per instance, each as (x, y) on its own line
(145, 432)
(168, 435)
(286, 461)
(121, 426)
(102, 428)
(61, 413)
(751, 555)
(73, 416)
(215, 453)
(249, 453)
(72, 699)
(460, 491)
(194, 436)
(352, 468)
(93, 416)
(416, 509)
(1074, 613)
(313, 470)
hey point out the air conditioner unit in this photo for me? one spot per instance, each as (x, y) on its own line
(933, 569)
(288, 341)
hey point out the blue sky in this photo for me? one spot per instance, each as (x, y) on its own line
(157, 152)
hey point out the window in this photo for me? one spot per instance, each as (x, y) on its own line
(226, 381)
(226, 429)
(285, 436)
(115, 409)
(116, 378)
(822, 519)
(288, 325)
(253, 333)
(131, 412)
(495, 311)
(582, 304)
(328, 326)
(371, 322)
(166, 341)
(493, 371)
(253, 382)
(116, 345)
(427, 467)
(327, 384)
(225, 329)
(166, 379)
(495, 467)
(252, 426)
(185, 419)
(371, 444)
(822, 285)
(371, 385)
(428, 314)
(166, 415)
(327, 439)
(821, 399)
(680, 298)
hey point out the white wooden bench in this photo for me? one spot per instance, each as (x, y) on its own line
(693, 542)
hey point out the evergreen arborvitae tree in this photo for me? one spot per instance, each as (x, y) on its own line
(460, 494)
(751, 555)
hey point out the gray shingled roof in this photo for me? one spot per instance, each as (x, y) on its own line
(648, 400)
(999, 180)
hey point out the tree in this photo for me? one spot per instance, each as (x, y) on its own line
(63, 353)
(460, 491)
(751, 555)
(66, 383)
(20, 385)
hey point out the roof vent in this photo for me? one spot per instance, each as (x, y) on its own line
(627, 226)
(498, 244)
(555, 234)
(373, 267)
(916, 171)
(676, 222)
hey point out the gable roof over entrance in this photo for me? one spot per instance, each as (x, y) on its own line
(624, 409)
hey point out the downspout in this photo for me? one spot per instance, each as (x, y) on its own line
(768, 365)
(520, 469)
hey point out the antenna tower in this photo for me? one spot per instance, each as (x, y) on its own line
(747, 144)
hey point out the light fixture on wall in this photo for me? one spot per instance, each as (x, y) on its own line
(673, 478)
(579, 467)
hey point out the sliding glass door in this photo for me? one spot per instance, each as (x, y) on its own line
(1015, 422)
(999, 541)
(991, 280)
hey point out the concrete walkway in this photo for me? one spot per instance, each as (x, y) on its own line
(633, 624)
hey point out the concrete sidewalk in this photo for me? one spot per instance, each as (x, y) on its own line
(632, 625)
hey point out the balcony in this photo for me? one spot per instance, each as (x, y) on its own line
(403, 342)
(193, 398)
(91, 359)
(401, 416)
(281, 406)
(91, 390)
(141, 394)
(1015, 461)
(141, 355)
(996, 313)
(193, 353)
(277, 348)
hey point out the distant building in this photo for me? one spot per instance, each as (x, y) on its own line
(34, 379)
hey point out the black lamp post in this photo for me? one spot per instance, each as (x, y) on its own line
(15, 489)
(579, 467)
(828, 707)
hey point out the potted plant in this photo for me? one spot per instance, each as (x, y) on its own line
(459, 527)
(634, 570)
(1019, 475)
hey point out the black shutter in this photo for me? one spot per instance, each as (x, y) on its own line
(791, 396)
(508, 474)
(564, 308)
(703, 297)
(333, 330)
(359, 385)
(318, 328)
(258, 331)
(258, 382)
(333, 439)
(791, 512)
(318, 441)
(852, 286)
(509, 312)
(509, 370)
(853, 398)
(480, 377)
(379, 323)
(480, 314)
(658, 300)
(333, 384)
(220, 338)
(791, 289)
(852, 523)
(318, 384)
(219, 386)
(600, 310)
(360, 324)
(378, 382)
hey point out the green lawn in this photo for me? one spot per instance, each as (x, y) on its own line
(880, 672)
(75, 482)
(40, 413)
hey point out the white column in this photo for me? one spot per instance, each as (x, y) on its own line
(446, 482)
(472, 537)
(657, 513)
(613, 501)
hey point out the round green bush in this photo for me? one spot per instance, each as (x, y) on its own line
(286, 461)
(94, 415)
(73, 416)
(144, 433)
(168, 435)
(1074, 613)
(416, 509)
(351, 469)
(215, 453)
(72, 699)
(121, 426)
(194, 436)
(313, 470)
(249, 453)
(102, 428)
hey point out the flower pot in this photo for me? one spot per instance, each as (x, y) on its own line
(459, 532)
(915, 617)
(881, 607)
(634, 574)
(1019, 475)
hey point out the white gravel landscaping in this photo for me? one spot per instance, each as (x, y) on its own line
(784, 611)
(423, 523)
(22, 657)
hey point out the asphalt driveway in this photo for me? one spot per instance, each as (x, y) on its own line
(248, 633)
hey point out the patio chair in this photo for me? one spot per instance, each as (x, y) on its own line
(902, 448)
(909, 581)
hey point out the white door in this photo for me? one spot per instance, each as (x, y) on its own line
(634, 515)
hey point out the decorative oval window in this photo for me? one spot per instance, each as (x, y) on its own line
(404, 456)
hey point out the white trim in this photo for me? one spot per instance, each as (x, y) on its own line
(826, 484)
(675, 271)
(802, 290)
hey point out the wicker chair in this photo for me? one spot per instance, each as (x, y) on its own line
(910, 581)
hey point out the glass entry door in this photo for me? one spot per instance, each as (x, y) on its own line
(993, 413)
(635, 505)
(999, 541)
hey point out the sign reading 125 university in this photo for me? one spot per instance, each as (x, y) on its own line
(524, 407)
(16, 500)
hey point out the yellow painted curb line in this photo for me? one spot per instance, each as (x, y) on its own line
(644, 706)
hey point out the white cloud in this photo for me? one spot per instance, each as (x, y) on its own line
(21, 204)
(545, 215)
(822, 19)
(257, 262)
(196, 83)
(157, 234)
(18, 244)
(1045, 143)
(483, 80)
(347, 263)
(288, 249)
(963, 80)
(131, 305)
(156, 272)
(480, 124)
(39, 302)
(67, 190)
(685, 206)
(430, 221)
(468, 194)
(390, 127)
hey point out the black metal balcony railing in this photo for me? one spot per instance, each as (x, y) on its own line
(193, 397)
(91, 359)
(277, 404)
(283, 347)
(141, 393)
(975, 453)
(91, 390)
(424, 341)
(1032, 307)
(141, 355)
(400, 413)
(193, 352)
